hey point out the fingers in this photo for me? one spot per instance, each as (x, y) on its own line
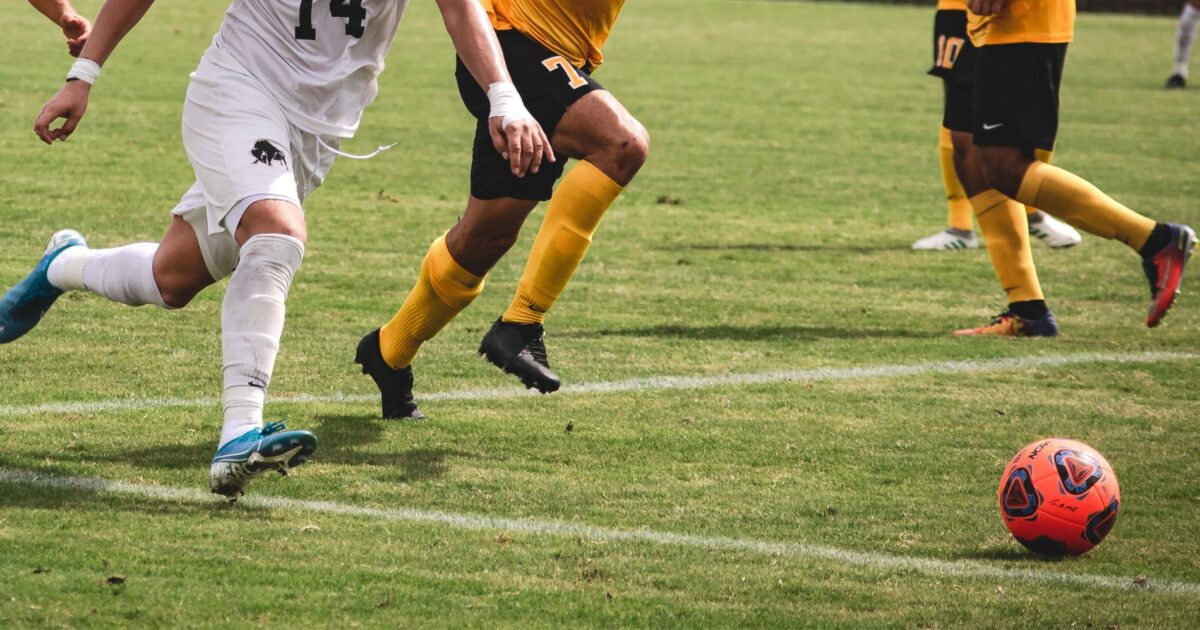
(523, 144)
(41, 126)
(70, 103)
(519, 147)
(499, 142)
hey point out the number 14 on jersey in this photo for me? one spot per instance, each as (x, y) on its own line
(352, 10)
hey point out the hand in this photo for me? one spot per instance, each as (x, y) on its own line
(70, 103)
(76, 28)
(986, 7)
(522, 143)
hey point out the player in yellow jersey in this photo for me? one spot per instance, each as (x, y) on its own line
(75, 27)
(1022, 48)
(954, 63)
(551, 48)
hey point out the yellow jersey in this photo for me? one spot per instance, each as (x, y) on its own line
(952, 5)
(575, 29)
(1025, 21)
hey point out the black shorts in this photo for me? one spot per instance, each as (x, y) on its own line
(953, 52)
(548, 86)
(954, 61)
(1016, 95)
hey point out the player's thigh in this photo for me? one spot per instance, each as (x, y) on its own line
(238, 142)
(599, 122)
(180, 271)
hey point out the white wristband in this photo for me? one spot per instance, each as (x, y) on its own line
(506, 103)
(85, 70)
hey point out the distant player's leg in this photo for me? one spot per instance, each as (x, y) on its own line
(959, 223)
(611, 146)
(1047, 229)
(954, 62)
(1004, 227)
(1185, 38)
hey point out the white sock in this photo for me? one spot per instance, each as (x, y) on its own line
(1185, 37)
(251, 324)
(122, 274)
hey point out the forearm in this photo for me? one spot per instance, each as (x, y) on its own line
(475, 40)
(116, 18)
(53, 9)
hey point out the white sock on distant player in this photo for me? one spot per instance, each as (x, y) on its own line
(1185, 37)
(122, 274)
(251, 324)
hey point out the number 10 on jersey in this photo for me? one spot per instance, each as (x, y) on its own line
(352, 10)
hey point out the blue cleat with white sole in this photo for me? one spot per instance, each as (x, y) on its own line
(23, 306)
(255, 452)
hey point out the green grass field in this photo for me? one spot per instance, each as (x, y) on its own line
(800, 142)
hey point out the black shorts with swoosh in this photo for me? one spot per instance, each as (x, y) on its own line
(1016, 95)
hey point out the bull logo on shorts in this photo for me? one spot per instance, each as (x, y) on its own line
(266, 153)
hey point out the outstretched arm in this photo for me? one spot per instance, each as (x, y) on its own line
(515, 134)
(116, 18)
(74, 26)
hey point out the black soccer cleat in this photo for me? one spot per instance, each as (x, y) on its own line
(1176, 82)
(519, 350)
(395, 386)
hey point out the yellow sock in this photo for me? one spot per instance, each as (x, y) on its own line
(1081, 204)
(1042, 156)
(956, 197)
(443, 290)
(571, 219)
(1005, 227)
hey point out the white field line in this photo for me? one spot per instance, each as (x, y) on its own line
(797, 551)
(654, 383)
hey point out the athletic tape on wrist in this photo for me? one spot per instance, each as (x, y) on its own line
(85, 70)
(506, 103)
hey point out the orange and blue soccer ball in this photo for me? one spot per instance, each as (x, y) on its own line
(1059, 497)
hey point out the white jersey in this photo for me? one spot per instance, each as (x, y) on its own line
(319, 58)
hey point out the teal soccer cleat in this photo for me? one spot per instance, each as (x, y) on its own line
(24, 305)
(255, 452)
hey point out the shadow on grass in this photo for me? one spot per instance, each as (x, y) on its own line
(751, 333)
(344, 440)
(784, 247)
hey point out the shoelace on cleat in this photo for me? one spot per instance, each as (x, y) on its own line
(537, 349)
(274, 427)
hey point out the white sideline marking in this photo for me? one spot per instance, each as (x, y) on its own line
(804, 551)
(637, 384)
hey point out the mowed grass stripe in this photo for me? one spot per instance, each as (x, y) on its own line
(657, 383)
(801, 551)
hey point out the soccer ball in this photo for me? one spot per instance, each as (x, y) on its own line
(1059, 497)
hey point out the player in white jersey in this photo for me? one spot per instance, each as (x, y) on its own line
(283, 82)
(75, 27)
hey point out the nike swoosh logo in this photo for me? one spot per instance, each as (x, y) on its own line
(987, 127)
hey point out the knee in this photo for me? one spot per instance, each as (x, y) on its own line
(627, 151)
(634, 149)
(271, 216)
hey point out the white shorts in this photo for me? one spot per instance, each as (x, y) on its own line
(243, 149)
